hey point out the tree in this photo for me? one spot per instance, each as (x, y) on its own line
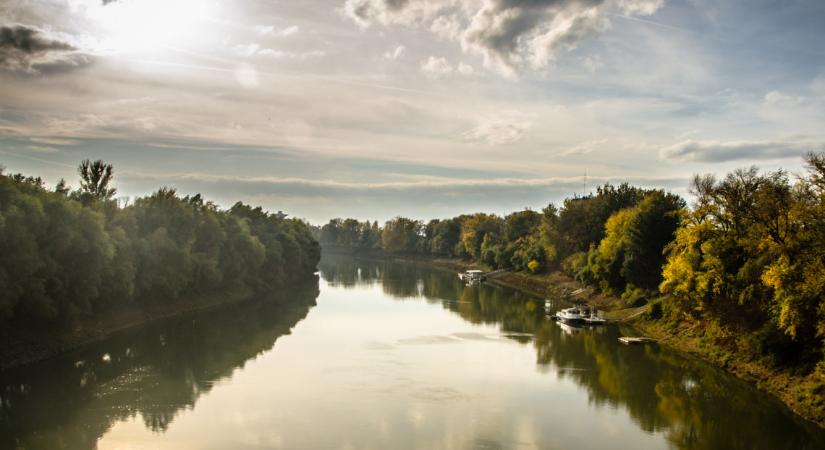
(402, 235)
(95, 178)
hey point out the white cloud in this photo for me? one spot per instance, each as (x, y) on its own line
(719, 151)
(499, 130)
(446, 27)
(593, 63)
(777, 98)
(246, 75)
(281, 54)
(264, 30)
(53, 141)
(510, 35)
(43, 149)
(465, 69)
(269, 30)
(289, 31)
(585, 147)
(247, 50)
(395, 53)
(255, 49)
(436, 67)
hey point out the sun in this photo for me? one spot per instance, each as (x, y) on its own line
(149, 25)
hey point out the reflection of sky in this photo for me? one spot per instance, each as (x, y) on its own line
(364, 370)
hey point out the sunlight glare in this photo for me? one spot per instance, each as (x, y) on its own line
(149, 25)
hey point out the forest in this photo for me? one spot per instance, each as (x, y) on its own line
(71, 255)
(747, 256)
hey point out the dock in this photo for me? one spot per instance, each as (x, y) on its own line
(636, 340)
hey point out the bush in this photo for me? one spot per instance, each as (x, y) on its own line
(574, 263)
(655, 311)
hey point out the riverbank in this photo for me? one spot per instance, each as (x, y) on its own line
(22, 346)
(803, 393)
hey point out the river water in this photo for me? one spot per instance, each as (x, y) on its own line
(386, 355)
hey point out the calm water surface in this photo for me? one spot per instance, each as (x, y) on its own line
(387, 355)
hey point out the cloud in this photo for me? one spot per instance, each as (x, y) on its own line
(720, 151)
(254, 49)
(31, 50)
(247, 49)
(42, 149)
(777, 98)
(510, 35)
(585, 147)
(289, 31)
(53, 141)
(269, 30)
(499, 130)
(436, 67)
(395, 53)
(593, 63)
(465, 69)
(364, 12)
(281, 54)
(424, 197)
(433, 183)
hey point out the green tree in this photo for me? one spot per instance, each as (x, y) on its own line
(95, 178)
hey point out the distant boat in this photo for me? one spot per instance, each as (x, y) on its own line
(636, 340)
(570, 315)
(593, 319)
(577, 315)
(472, 276)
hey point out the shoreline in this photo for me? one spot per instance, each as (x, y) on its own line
(23, 347)
(783, 384)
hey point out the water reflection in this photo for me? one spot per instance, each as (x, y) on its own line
(693, 405)
(379, 364)
(71, 401)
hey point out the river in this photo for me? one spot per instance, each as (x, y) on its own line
(386, 355)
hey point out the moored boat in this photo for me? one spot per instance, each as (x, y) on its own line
(636, 340)
(472, 276)
(570, 315)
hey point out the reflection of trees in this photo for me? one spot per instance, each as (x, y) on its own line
(485, 304)
(694, 405)
(71, 401)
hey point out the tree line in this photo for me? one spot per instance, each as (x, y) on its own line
(747, 255)
(67, 255)
(612, 238)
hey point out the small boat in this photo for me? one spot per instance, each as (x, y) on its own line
(636, 340)
(472, 276)
(570, 315)
(593, 319)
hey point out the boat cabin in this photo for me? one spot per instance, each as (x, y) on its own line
(472, 275)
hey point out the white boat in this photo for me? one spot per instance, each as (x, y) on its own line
(636, 340)
(472, 276)
(577, 315)
(593, 319)
(570, 315)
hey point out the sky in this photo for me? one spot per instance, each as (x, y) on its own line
(422, 108)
